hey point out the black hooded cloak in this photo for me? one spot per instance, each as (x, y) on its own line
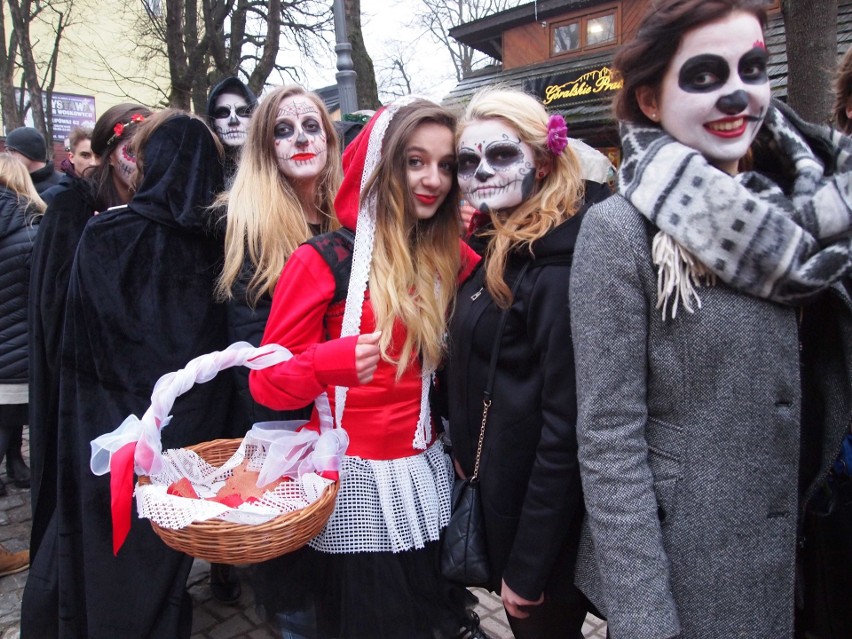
(52, 258)
(140, 304)
(237, 87)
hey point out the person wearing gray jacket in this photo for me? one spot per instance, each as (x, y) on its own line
(712, 334)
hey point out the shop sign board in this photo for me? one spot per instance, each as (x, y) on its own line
(578, 86)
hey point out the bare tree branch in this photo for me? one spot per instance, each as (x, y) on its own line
(439, 16)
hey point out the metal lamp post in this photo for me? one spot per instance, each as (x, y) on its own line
(345, 68)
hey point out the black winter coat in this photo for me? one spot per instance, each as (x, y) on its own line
(17, 233)
(529, 474)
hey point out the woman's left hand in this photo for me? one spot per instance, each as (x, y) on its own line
(515, 604)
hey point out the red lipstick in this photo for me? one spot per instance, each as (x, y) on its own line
(426, 199)
(728, 127)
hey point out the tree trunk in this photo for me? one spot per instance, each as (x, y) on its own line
(180, 96)
(20, 11)
(365, 78)
(811, 28)
(11, 116)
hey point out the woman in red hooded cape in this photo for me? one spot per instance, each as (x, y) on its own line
(364, 316)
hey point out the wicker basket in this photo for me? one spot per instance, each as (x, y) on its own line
(224, 542)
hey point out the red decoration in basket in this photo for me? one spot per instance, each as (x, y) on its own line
(182, 488)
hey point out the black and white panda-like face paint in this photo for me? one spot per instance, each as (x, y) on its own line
(231, 116)
(715, 93)
(496, 170)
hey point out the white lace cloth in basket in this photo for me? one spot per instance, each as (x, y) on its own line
(170, 511)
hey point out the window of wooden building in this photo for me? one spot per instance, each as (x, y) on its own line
(584, 32)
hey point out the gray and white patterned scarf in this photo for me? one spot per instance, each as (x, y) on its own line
(744, 229)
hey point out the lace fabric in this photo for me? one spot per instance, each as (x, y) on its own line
(170, 511)
(389, 505)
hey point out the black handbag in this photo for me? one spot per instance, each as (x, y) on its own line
(464, 553)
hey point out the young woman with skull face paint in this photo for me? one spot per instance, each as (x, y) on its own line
(274, 205)
(269, 211)
(514, 164)
(229, 111)
(364, 316)
(712, 333)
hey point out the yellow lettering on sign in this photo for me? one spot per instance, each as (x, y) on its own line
(594, 81)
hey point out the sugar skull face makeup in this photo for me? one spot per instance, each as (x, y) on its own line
(715, 93)
(496, 169)
(123, 161)
(300, 140)
(231, 116)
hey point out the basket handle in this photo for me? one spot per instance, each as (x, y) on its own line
(145, 432)
(136, 443)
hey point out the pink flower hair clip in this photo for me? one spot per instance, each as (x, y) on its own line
(557, 134)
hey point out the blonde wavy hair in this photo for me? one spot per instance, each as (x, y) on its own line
(556, 197)
(265, 218)
(15, 177)
(410, 254)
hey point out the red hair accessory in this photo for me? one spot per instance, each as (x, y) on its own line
(118, 129)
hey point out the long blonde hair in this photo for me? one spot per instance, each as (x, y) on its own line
(410, 254)
(264, 215)
(15, 177)
(559, 194)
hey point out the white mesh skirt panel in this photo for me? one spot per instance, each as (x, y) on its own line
(389, 506)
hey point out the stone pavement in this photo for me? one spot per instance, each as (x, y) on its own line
(211, 620)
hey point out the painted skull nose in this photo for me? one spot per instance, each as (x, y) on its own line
(301, 139)
(483, 172)
(733, 103)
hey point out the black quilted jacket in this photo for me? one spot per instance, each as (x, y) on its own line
(17, 232)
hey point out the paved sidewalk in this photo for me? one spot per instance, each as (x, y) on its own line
(211, 620)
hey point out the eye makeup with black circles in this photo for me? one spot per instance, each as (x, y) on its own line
(468, 162)
(283, 131)
(503, 154)
(222, 112)
(312, 127)
(752, 66)
(703, 73)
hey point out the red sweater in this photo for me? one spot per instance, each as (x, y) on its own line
(380, 417)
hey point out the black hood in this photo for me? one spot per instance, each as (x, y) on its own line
(229, 85)
(182, 175)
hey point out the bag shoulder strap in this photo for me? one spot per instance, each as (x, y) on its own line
(336, 249)
(492, 368)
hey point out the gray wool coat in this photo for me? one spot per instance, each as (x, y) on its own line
(689, 441)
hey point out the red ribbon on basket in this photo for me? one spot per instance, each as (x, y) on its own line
(121, 493)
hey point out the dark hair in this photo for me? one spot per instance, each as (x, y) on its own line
(843, 92)
(104, 142)
(644, 60)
